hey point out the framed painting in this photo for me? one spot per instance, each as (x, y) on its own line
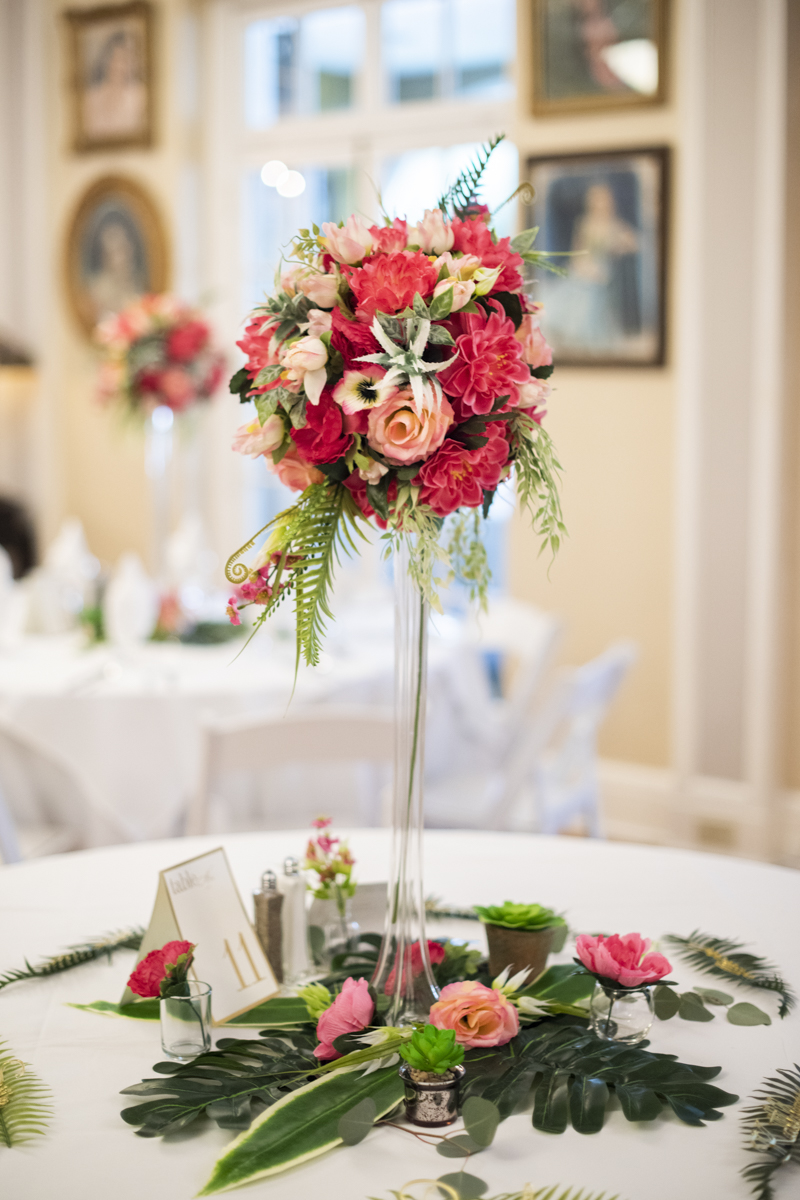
(111, 76)
(116, 250)
(598, 54)
(605, 216)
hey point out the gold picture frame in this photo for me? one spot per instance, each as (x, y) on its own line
(116, 250)
(578, 67)
(111, 76)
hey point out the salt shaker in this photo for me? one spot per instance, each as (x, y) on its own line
(291, 884)
(267, 905)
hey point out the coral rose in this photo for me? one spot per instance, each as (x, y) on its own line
(403, 435)
(388, 282)
(255, 438)
(473, 236)
(294, 471)
(351, 1011)
(488, 365)
(623, 959)
(145, 980)
(455, 476)
(322, 439)
(186, 341)
(479, 1015)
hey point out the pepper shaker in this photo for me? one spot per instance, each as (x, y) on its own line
(267, 905)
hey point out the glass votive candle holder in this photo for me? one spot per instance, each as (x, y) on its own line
(621, 1014)
(186, 1022)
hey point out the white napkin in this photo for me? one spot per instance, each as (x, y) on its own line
(130, 604)
(64, 583)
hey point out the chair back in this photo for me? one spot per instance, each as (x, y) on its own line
(317, 735)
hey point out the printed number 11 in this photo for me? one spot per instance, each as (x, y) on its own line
(248, 956)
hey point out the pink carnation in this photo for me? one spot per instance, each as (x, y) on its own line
(389, 239)
(455, 476)
(388, 282)
(146, 977)
(474, 237)
(350, 1012)
(489, 364)
(259, 344)
(352, 338)
(480, 1015)
(622, 958)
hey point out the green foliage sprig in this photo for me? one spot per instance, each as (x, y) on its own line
(25, 1102)
(465, 189)
(772, 1128)
(729, 960)
(519, 916)
(537, 469)
(434, 1050)
(693, 1006)
(73, 956)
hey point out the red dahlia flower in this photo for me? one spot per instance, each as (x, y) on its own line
(323, 439)
(489, 364)
(454, 475)
(387, 283)
(474, 237)
(186, 341)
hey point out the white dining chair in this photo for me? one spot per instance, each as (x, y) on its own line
(315, 739)
(556, 761)
(44, 807)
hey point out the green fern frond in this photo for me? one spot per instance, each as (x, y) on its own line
(536, 469)
(729, 960)
(25, 1102)
(772, 1128)
(73, 956)
(464, 191)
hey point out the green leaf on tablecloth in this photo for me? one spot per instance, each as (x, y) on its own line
(748, 1014)
(74, 956)
(458, 1146)
(25, 1108)
(468, 1187)
(301, 1126)
(281, 1012)
(481, 1118)
(691, 1008)
(729, 960)
(355, 1125)
(712, 996)
(140, 1010)
(666, 1002)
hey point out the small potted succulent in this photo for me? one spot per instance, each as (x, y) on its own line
(521, 935)
(432, 1074)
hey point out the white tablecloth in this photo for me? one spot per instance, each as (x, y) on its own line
(90, 1153)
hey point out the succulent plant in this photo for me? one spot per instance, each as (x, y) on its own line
(519, 916)
(433, 1050)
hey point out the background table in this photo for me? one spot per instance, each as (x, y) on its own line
(86, 1059)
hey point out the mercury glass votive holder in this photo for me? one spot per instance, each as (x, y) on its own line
(186, 1022)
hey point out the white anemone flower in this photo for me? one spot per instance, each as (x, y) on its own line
(509, 986)
(362, 389)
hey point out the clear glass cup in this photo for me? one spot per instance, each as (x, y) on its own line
(621, 1014)
(186, 1022)
(334, 930)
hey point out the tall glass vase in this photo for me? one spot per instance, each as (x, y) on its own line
(404, 970)
(158, 459)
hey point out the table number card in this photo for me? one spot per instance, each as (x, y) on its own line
(198, 901)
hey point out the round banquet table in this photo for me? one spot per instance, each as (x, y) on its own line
(86, 1059)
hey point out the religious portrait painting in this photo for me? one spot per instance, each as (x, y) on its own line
(603, 218)
(111, 70)
(116, 250)
(598, 54)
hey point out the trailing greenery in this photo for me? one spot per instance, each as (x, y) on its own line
(434, 1050)
(772, 1129)
(536, 469)
(25, 1102)
(465, 189)
(469, 562)
(728, 960)
(73, 956)
(519, 916)
(692, 1006)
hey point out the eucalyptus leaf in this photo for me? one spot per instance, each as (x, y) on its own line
(481, 1118)
(748, 1014)
(691, 1008)
(469, 1187)
(459, 1146)
(712, 996)
(666, 1002)
(354, 1126)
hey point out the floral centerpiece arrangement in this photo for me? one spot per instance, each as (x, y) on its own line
(330, 864)
(158, 352)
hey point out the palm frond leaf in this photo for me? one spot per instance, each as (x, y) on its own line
(772, 1129)
(464, 191)
(729, 960)
(25, 1102)
(74, 956)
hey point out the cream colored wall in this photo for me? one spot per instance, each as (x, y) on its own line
(615, 432)
(102, 478)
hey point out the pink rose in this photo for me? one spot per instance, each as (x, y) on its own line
(295, 472)
(480, 1015)
(306, 354)
(401, 434)
(146, 977)
(623, 959)
(462, 290)
(319, 322)
(350, 243)
(432, 234)
(322, 289)
(351, 1011)
(255, 438)
(535, 348)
